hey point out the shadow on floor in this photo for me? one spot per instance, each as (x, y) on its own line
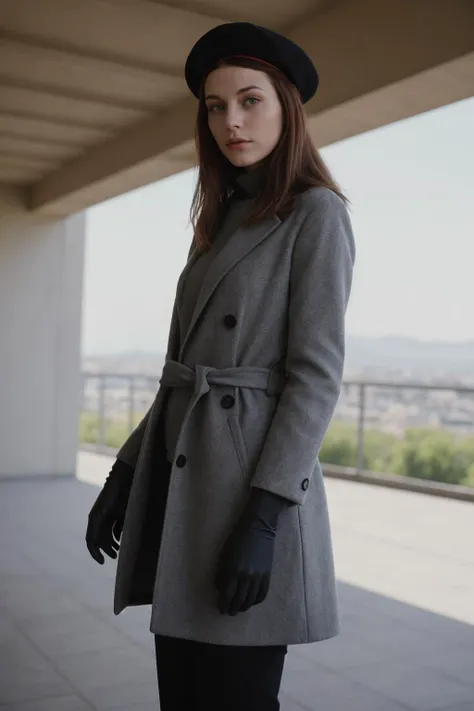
(62, 648)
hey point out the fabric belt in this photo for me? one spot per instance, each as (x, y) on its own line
(202, 377)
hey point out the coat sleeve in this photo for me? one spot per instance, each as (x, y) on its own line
(130, 449)
(320, 284)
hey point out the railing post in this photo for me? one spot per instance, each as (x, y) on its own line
(101, 412)
(360, 433)
(131, 404)
(82, 393)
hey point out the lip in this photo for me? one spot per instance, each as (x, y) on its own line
(238, 144)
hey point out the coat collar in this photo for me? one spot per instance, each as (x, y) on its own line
(243, 241)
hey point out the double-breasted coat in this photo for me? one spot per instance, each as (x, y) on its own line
(264, 356)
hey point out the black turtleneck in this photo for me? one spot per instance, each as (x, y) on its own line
(248, 183)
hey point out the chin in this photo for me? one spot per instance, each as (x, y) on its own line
(241, 161)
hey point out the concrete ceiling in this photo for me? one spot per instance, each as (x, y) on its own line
(93, 101)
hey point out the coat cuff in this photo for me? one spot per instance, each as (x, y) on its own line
(294, 491)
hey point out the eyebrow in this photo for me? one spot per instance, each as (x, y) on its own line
(240, 91)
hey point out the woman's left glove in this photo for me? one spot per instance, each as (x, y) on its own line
(106, 518)
(245, 563)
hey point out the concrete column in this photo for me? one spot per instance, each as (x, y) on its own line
(41, 271)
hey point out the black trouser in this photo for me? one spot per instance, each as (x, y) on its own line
(193, 676)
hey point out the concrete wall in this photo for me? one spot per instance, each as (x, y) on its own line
(41, 272)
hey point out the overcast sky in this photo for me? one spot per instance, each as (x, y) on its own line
(411, 185)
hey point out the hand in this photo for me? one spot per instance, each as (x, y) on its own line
(245, 564)
(107, 515)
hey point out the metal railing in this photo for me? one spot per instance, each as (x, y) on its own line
(464, 425)
(125, 398)
(116, 398)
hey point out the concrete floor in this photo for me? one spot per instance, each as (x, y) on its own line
(405, 565)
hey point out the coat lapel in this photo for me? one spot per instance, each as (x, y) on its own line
(236, 248)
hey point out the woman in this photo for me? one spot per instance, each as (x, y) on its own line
(222, 476)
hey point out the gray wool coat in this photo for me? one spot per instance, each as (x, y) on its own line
(264, 356)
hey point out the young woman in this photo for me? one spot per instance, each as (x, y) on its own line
(219, 490)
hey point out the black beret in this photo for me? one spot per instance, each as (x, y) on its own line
(245, 39)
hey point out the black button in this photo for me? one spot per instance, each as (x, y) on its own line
(230, 320)
(305, 484)
(228, 401)
(181, 461)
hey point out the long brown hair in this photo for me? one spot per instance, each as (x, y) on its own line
(294, 164)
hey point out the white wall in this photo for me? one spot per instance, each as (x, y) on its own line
(41, 272)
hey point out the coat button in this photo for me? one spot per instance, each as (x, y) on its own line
(305, 484)
(228, 401)
(181, 461)
(230, 320)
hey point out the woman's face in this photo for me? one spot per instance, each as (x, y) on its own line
(244, 114)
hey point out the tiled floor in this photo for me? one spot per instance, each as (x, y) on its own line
(405, 566)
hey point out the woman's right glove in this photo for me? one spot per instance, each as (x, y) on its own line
(108, 513)
(245, 563)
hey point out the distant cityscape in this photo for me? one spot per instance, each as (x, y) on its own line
(388, 360)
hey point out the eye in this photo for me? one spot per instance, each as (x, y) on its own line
(253, 100)
(215, 108)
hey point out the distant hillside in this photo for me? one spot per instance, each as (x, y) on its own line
(392, 354)
(135, 362)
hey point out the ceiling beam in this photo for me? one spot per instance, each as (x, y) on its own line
(75, 55)
(117, 162)
(150, 35)
(378, 62)
(373, 57)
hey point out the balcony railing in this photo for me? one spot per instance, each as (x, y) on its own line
(113, 404)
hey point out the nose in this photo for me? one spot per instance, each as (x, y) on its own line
(233, 117)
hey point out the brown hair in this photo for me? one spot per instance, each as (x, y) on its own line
(294, 164)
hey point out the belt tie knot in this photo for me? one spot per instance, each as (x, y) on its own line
(201, 385)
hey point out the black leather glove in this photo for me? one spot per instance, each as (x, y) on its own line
(107, 515)
(245, 563)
